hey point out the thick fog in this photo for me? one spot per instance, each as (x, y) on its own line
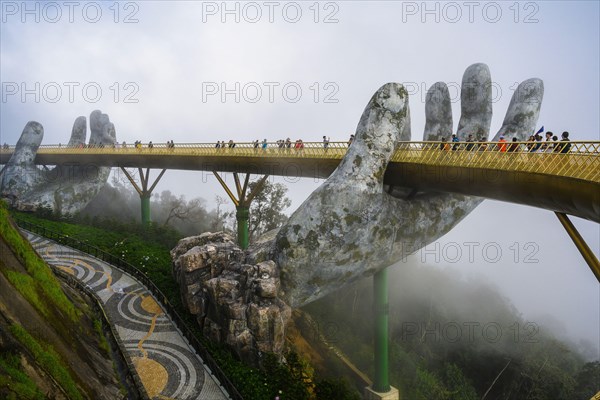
(198, 72)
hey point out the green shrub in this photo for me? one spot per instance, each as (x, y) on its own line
(103, 343)
(335, 389)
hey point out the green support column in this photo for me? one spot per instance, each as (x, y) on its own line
(144, 192)
(145, 209)
(381, 382)
(242, 216)
(242, 204)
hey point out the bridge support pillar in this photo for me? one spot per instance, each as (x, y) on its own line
(145, 200)
(587, 253)
(242, 204)
(143, 191)
(381, 389)
(242, 216)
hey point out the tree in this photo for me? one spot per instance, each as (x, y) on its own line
(588, 380)
(119, 201)
(459, 386)
(178, 207)
(221, 218)
(266, 211)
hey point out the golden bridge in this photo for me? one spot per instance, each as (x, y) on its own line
(562, 182)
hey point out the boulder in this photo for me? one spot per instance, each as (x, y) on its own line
(235, 303)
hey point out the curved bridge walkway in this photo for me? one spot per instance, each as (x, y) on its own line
(165, 363)
(539, 174)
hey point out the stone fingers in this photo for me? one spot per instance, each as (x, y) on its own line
(79, 132)
(102, 130)
(75, 186)
(438, 113)
(476, 103)
(523, 112)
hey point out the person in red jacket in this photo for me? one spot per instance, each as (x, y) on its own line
(502, 144)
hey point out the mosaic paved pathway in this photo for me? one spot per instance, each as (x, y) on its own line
(165, 363)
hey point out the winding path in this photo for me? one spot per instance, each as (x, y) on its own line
(165, 363)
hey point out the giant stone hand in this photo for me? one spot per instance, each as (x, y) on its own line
(350, 227)
(65, 189)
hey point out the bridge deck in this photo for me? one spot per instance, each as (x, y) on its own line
(568, 183)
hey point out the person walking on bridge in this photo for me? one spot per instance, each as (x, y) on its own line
(455, 140)
(470, 143)
(564, 146)
(547, 146)
(502, 144)
(514, 146)
(538, 143)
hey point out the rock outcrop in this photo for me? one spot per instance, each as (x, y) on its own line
(66, 189)
(234, 302)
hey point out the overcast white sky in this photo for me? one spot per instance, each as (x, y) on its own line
(159, 68)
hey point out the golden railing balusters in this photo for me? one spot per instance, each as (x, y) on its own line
(581, 162)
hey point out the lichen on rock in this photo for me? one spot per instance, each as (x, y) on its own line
(235, 300)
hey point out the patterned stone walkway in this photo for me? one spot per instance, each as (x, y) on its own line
(166, 364)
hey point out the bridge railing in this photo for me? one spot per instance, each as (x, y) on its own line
(576, 159)
(334, 150)
(591, 147)
(143, 278)
(571, 159)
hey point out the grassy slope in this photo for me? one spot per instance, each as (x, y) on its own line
(41, 289)
(44, 329)
(38, 286)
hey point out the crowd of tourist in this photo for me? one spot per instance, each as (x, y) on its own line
(535, 144)
(279, 144)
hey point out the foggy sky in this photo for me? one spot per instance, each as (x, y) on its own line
(156, 62)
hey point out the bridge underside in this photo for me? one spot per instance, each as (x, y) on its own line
(551, 192)
(567, 195)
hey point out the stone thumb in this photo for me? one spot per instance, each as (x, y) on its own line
(383, 123)
(20, 171)
(28, 144)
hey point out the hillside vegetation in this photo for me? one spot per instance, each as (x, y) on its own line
(456, 339)
(51, 343)
(450, 338)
